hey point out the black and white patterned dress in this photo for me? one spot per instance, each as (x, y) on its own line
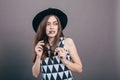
(55, 69)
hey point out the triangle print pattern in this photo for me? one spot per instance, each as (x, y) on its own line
(55, 69)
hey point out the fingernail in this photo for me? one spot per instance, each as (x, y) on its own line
(55, 49)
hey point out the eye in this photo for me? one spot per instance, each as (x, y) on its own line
(48, 23)
(56, 23)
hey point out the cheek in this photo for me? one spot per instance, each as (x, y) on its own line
(56, 28)
(47, 29)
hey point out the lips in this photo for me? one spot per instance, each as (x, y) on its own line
(51, 32)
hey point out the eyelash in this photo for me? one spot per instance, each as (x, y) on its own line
(56, 23)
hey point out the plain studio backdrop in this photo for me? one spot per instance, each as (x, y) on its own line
(94, 25)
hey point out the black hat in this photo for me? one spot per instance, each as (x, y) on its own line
(50, 11)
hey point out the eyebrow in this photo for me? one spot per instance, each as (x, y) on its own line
(54, 21)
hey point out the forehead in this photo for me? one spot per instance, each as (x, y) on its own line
(52, 18)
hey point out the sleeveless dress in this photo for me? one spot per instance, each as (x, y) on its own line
(55, 69)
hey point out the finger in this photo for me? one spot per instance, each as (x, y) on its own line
(63, 50)
(60, 52)
(38, 50)
(38, 47)
(61, 56)
(41, 43)
(58, 49)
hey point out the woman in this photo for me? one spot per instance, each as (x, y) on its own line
(54, 55)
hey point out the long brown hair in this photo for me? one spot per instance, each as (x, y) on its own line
(41, 35)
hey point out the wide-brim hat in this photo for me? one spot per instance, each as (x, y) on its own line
(50, 11)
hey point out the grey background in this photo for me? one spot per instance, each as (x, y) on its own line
(94, 25)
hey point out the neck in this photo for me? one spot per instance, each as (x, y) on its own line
(51, 39)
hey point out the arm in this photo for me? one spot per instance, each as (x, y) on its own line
(76, 64)
(36, 67)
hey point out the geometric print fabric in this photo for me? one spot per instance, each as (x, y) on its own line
(55, 69)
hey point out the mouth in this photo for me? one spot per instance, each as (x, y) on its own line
(51, 32)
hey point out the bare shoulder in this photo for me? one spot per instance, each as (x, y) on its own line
(70, 46)
(69, 41)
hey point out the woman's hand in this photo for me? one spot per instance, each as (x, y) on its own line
(61, 54)
(39, 48)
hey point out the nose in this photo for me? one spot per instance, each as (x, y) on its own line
(51, 26)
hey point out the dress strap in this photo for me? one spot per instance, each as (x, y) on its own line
(61, 42)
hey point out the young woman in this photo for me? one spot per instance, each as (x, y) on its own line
(54, 55)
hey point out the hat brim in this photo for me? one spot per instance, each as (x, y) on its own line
(50, 11)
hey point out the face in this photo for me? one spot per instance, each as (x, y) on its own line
(52, 27)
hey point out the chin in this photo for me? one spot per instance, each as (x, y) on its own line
(51, 36)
